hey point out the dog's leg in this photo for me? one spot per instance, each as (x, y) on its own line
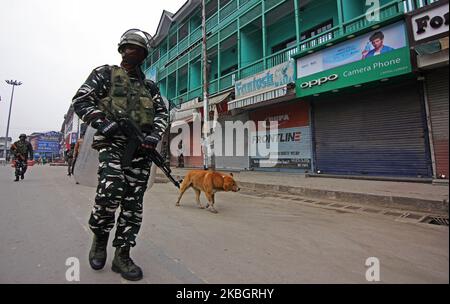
(210, 197)
(183, 189)
(197, 196)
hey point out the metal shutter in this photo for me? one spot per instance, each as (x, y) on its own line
(437, 91)
(233, 162)
(378, 132)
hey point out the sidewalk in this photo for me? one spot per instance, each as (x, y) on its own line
(425, 197)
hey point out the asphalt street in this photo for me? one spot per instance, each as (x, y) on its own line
(43, 223)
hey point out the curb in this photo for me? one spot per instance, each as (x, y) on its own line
(400, 202)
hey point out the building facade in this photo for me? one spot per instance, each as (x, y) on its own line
(428, 34)
(71, 129)
(276, 61)
(2, 147)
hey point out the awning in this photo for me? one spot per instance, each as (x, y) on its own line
(184, 117)
(211, 101)
(257, 98)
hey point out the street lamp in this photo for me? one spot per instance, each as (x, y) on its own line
(13, 83)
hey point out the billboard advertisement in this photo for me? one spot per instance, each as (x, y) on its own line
(363, 59)
(48, 143)
(293, 137)
(367, 46)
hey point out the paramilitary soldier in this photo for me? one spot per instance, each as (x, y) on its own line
(21, 149)
(109, 94)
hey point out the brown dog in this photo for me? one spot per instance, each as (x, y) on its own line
(209, 182)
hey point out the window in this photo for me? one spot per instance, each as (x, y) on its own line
(172, 41)
(317, 30)
(183, 31)
(156, 55)
(229, 70)
(284, 45)
(211, 8)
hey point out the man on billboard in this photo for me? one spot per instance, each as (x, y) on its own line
(377, 41)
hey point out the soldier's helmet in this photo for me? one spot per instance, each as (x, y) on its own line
(24, 136)
(136, 37)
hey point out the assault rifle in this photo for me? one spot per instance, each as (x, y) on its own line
(135, 139)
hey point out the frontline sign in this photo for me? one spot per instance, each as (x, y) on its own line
(430, 24)
(318, 82)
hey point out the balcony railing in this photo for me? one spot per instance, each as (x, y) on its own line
(320, 39)
(251, 69)
(197, 92)
(214, 86)
(281, 56)
(226, 81)
(387, 12)
(228, 9)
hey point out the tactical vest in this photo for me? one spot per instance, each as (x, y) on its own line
(127, 99)
(21, 148)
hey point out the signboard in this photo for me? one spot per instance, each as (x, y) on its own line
(271, 78)
(47, 146)
(392, 64)
(294, 148)
(293, 137)
(48, 143)
(385, 40)
(429, 23)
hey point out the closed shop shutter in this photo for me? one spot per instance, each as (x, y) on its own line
(437, 91)
(236, 161)
(378, 132)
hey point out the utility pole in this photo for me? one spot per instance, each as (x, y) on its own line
(13, 83)
(205, 92)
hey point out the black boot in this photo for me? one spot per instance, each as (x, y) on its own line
(22, 176)
(97, 254)
(124, 265)
(17, 178)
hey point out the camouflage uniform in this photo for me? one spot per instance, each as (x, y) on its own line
(117, 186)
(21, 149)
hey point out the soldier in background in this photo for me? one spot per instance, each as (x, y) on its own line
(21, 149)
(69, 158)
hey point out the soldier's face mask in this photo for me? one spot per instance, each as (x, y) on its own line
(133, 55)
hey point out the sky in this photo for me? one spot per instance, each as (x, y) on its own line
(51, 46)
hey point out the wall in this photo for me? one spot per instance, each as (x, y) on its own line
(316, 13)
(251, 45)
(280, 31)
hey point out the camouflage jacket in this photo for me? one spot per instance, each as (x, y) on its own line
(97, 86)
(22, 150)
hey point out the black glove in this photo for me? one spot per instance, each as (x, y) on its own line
(106, 127)
(150, 142)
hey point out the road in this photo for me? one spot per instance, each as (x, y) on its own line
(43, 222)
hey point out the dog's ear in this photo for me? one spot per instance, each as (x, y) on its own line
(231, 174)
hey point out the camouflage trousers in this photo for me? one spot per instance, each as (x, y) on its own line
(119, 187)
(20, 167)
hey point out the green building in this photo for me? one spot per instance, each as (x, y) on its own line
(255, 52)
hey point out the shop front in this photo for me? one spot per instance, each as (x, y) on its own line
(368, 115)
(277, 133)
(428, 37)
(291, 138)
